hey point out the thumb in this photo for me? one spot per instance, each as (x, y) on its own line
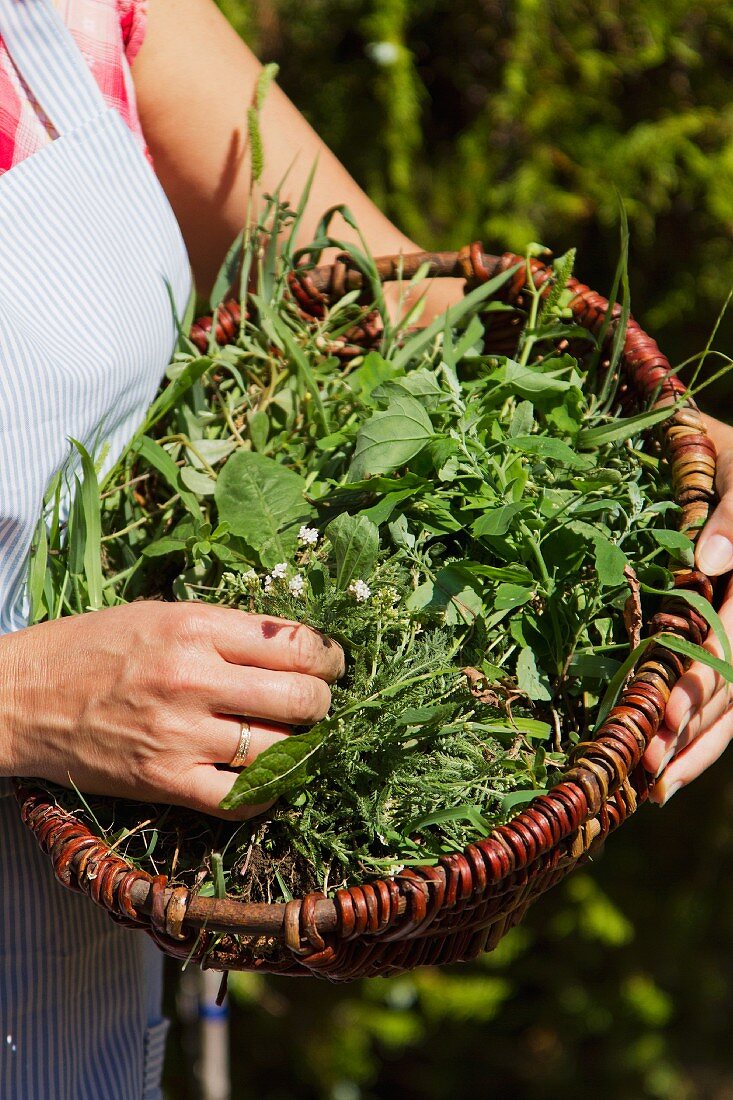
(714, 552)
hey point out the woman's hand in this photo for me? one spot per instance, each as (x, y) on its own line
(143, 701)
(698, 723)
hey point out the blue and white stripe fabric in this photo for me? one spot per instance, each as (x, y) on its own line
(92, 263)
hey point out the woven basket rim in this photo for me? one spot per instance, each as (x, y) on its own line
(602, 783)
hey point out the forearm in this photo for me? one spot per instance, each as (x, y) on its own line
(194, 79)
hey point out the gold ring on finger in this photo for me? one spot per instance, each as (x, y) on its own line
(239, 760)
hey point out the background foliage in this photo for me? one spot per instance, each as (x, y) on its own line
(510, 122)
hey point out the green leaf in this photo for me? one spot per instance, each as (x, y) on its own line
(262, 501)
(595, 666)
(391, 438)
(522, 420)
(548, 447)
(453, 592)
(471, 814)
(531, 682)
(372, 373)
(677, 645)
(161, 461)
(416, 345)
(355, 542)
(300, 359)
(625, 428)
(425, 716)
(383, 509)
(509, 596)
(497, 521)
(224, 281)
(679, 545)
(519, 798)
(173, 393)
(704, 608)
(610, 562)
(91, 511)
(280, 768)
(258, 424)
(199, 483)
(163, 547)
(37, 571)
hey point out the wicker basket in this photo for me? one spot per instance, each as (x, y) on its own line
(464, 904)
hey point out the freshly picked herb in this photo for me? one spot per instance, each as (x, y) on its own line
(481, 533)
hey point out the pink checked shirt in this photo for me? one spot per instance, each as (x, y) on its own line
(109, 33)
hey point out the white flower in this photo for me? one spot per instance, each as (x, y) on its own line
(296, 585)
(308, 536)
(360, 591)
(279, 571)
(267, 585)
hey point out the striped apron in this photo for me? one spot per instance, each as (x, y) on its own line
(91, 264)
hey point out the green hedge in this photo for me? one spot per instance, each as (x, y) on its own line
(520, 121)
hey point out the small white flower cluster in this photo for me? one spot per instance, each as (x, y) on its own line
(296, 584)
(308, 536)
(279, 572)
(360, 591)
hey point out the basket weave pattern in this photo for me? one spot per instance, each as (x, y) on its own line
(466, 903)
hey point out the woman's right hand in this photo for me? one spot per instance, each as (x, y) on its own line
(142, 701)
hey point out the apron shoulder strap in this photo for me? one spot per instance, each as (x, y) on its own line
(50, 62)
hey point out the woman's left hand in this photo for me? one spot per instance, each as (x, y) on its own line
(698, 723)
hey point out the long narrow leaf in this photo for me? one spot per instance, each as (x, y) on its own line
(421, 340)
(91, 508)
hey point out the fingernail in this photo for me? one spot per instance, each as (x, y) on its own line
(682, 726)
(672, 791)
(715, 555)
(666, 759)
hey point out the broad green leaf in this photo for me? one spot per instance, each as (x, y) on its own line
(262, 501)
(593, 665)
(553, 449)
(679, 545)
(509, 596)
(391, 438)
(280, 768)
(610, 562)
(522, 420)
(530, 680)
(453, 592)
(197, 481)
(497, 521)
(258, 424)
(417, 383)
(372, 372)
(355, 542)
(383, 509)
